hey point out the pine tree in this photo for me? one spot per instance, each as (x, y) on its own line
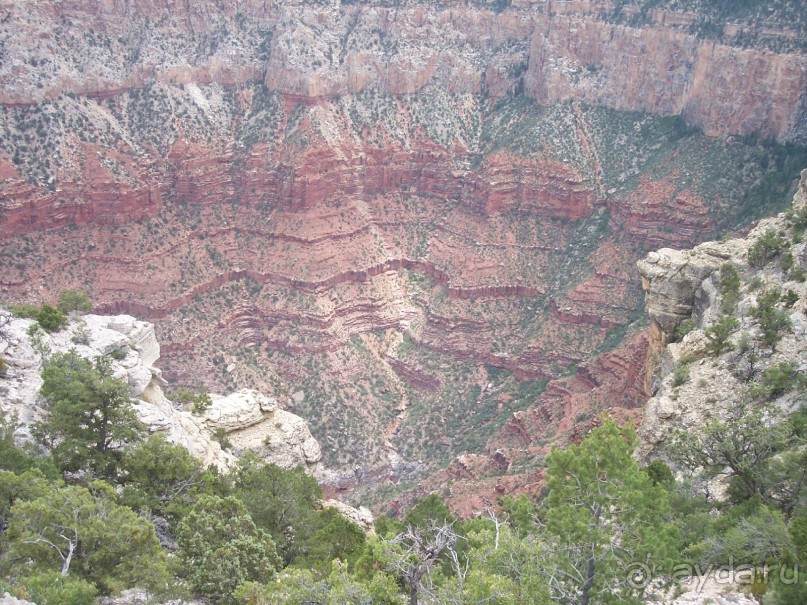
(604, 517)
(91, 413)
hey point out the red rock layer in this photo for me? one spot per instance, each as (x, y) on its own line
(314, 52)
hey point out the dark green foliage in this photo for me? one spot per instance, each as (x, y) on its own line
(220, 548)
(660, 473)
(798, 420)
(743, 443)
(335, 538)
(753, 533)
(521, 511)
(775, 381)
(26, 311)
(15, 487)
(729, 288)
(74, 301)
(684, 328)
(3, 366)
(50, 318)
(798, 218)
(584, 482)
(785, 590)
(787, 262)
(52, 588)
(773, 322)
(82, 532)
(790, 298)
(718, 335)
(429, 511)
(198, 399)
(91, 414)
(336, 585)
(767, 247)
(220, 436)
(165, 479)
(280, 502)
(680, 375)
(21, 459)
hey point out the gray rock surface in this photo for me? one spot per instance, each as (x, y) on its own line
(252, 420)
(685, 284)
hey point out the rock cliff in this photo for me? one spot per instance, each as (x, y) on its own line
(583, 51)
(686, 285)
(252, 421)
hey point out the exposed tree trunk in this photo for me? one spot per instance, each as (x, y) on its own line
(589, 583)
(101, 446)
(66, 561)
(413, 593)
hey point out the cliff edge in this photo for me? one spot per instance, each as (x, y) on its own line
(252, 421)
(725, 316)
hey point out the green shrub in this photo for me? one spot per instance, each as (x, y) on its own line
(773, 322)
(25, 311)
(81, 335)
(718, 335)
(199, 400)
(684, 328)
(756, 283)
(799, 220)
(220, 435)
(680, 375)
(118, 354)
(775, 381)
(220, 548)
(3, 366)
(50, 318)
(52, 588)
(790, 298)
(787, 262)
(74, 301)
(768, 246)
(729, 288)
(660, 473)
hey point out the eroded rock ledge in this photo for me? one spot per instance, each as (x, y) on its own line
(682, 285)
(252, 421)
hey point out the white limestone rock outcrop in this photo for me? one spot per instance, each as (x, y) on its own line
(7, 599)
(711, 589)
(255, 423)
(361, 516)
(683, 285)
(252, 421)
(121, 337)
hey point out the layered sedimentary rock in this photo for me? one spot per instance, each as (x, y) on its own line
(576, 52)
(421, 219)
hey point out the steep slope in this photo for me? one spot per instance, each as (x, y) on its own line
(687, 285)
(422, 219)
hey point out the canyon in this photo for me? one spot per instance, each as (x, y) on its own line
(414, 225)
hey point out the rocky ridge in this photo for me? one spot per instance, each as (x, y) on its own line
(685, 284)
(251, 420)
(576, 50)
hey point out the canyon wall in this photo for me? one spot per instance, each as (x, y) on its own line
(555, 51)
(421, 219)
(725, 384)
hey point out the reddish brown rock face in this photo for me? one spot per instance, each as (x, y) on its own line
(422, 220)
